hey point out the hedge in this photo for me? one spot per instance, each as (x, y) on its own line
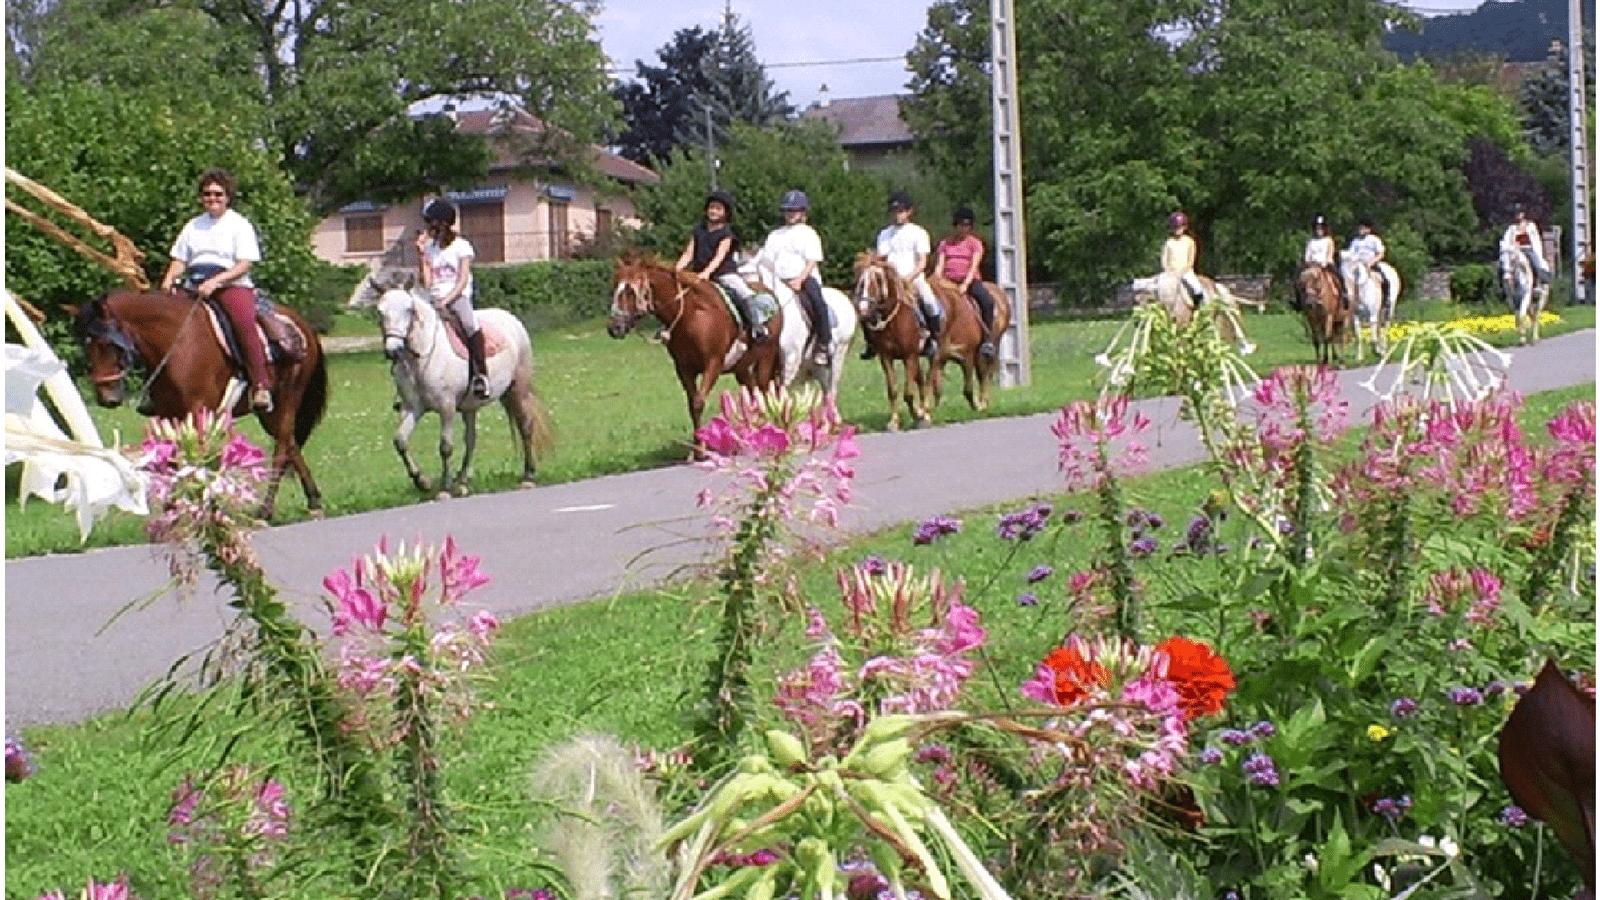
(549, 293)
(1475, 284)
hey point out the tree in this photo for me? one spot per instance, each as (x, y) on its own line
(328, 86)
(1547, 106)
(759, 165)
(1252, 115)
(131, 159)
(700, 71)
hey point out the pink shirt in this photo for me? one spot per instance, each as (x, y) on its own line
(958, 256)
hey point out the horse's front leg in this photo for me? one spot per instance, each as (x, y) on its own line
(447, 447)
(892, 388)
(917, 391)
(280, 459)
(402, 445)
(469, 421)
(696, 399)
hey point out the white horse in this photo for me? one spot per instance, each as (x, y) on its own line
(794, 341)
(1168, 290)
(1370, 299)
(430, 372)
(1527, 303)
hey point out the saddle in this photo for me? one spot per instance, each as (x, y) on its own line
(279, 335)
(493, 340)
(763, 306)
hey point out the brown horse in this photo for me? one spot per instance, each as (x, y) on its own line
(703, 338)
(171, 336)
(1317, 291)
(963, 335)
(884, 301)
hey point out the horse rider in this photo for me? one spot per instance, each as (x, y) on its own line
(1178, 256)
(1322, 250)
(710, 254)
(959, 258)
(444, 260)
(793, 252)
(216, 251)
(1368, 250)
(1523, 234)
(906, 246)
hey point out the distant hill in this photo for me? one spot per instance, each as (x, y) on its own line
(1522, 30)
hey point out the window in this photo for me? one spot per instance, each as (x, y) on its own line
(484, 226)
(363, 234)
(602, 224)
(560, 245)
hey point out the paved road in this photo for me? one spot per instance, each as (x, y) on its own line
(542, 547)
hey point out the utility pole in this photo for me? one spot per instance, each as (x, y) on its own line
(711, 147)
(1010, 238)
(1582, 246)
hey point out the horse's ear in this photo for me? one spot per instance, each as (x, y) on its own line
(70, 310)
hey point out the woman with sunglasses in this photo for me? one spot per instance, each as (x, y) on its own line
(216, 250)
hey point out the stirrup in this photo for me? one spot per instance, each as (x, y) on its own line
(758, 333)
(261, 400)
(480, 386)
(986, 350)
(930, 347)
(822, 358)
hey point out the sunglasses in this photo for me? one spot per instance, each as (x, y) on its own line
(222, 194)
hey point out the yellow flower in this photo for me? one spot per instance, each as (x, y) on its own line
(1377, 732)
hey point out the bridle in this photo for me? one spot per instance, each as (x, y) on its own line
(876, 276)
(645, 295)
(412, 321)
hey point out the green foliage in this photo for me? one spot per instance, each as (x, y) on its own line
(758, 166)
(548, 293)
(1268, 112)
(132, 159)
(327, 87)
(1474, 284)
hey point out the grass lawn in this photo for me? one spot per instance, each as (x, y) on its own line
(617, 407)
(629, 666)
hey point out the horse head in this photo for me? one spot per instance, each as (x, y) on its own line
(108, 347)
(631, 297)
(397, 316)
(878, 287)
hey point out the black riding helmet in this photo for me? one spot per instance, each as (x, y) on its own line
(723, 197)
(1319, 221)
(962, 214)
(900, 200)
(439, 210)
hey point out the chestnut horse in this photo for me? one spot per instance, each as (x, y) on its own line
(963, 335)
(703, 338)
(1328, 318)
(885, 303)
(171, 336)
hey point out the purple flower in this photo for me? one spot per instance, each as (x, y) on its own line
(1233, 737)
(1263, 730)
(935, 528)
(1466, 696)
(18, 765)
(874, 565)
(1260, 770)
(1210, 756)
(1142, 547)
(1027, 599)
(1513, 817)
(1403, 708)
(1392, 808)
(1022, 526)
(1495, 688)
(1040, 573)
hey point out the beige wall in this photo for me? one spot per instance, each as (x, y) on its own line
(526, 222)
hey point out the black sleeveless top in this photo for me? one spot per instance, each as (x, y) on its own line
(705, 247)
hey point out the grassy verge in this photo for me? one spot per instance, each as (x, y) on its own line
(628, 665)
(617, 407)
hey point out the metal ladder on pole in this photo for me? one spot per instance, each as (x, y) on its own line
(1582, 246)
(1010, 238)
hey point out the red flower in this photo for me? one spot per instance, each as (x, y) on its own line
(1201, 678)
(1072, 675)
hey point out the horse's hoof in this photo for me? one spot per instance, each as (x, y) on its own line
(894, 424)
(423, 485)
(442, 495)
(924, 422)
(525, 483)
(316, 514)
(462, 490)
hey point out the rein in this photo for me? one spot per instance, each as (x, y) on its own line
(876, 275)
(405, 339)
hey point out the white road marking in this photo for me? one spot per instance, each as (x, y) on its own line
(593, 507)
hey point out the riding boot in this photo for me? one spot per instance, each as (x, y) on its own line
(869, 351)
(475, 365)
(985, 312)
(278, 336)
(756, 330)
(821, 325)
(930, 347)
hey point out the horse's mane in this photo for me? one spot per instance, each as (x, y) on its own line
(899, 288)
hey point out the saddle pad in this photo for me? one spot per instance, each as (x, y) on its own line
(220, 332)
(763, 305)
(493, 341)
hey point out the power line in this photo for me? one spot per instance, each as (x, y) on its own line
(808, 64)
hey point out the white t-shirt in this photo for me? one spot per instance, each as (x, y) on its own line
(902, 244)
(220, 241)
(1321, 250)
(1368, 248)
(789, 248)
(445, 265)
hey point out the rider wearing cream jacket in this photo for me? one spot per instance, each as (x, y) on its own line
(1523, 234)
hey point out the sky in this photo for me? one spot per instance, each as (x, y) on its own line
(856, 48)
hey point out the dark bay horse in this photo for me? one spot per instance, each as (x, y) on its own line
(171, 336)
(703, 338)
(1318, 292)
(885, 303)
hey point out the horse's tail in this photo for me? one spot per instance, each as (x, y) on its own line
(313, 402)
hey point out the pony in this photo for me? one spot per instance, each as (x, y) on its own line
(1317, 293)
(1169, 291)
(173, 337)
(703, 338)
(963, 335)
(1516, 279)
(885, 303)
(429, 367)
(1371, 300)
(795, 338)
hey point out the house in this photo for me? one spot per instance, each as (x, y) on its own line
(870, 130)
(521, 211)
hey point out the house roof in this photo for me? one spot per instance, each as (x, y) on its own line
(864, 121)
(492, 122)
